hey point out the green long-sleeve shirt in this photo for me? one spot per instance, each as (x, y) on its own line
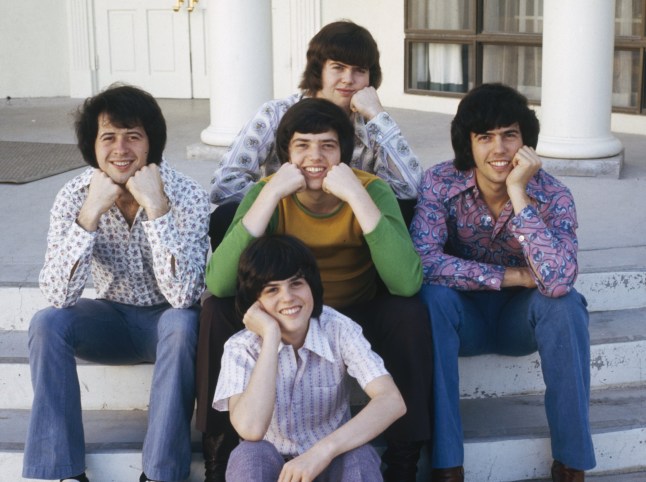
(347, 257)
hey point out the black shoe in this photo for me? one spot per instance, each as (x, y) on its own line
(451, 474)
(78, 478)
(216, 449)
(144, 478)
(401, 461)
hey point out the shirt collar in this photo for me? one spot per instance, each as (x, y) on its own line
(317, 342)
(466, 180)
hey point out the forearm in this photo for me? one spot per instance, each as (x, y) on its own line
(392, 251)
(222, 268)
(252, 411)
(380, 412)
(67, 264)
(179, 256)
(257, 218)
(549, 247)
(365, 210)
(396, 162)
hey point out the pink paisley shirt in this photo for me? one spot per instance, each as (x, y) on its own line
(152, 262)
(463, 247)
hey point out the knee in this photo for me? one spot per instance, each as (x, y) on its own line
(405, 317)
(47, 325)
(444, 306)
(179, 327)
(570, 309)
(260, 451)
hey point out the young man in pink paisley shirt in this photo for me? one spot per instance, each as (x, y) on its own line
(497, 238)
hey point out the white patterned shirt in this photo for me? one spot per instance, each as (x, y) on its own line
(379, 148)
(312, 394)
(153, 262)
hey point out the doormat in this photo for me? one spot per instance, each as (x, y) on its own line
(22, 162)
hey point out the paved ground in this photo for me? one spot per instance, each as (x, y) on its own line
(612, 218)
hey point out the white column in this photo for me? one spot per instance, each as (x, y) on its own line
(295, 22)
(578, 40)
(240, 65)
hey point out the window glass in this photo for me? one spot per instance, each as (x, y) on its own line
(513, 16)
(439, 14)
(515, 65)
(625, 80)
(440, 67)
(628, 18)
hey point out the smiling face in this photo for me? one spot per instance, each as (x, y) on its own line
(315, 155)
(290, 302)
(120, 151)
(340, 81)
(493, 152)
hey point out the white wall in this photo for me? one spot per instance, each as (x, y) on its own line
(33, 48)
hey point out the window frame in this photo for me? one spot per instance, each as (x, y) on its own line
(476, 39)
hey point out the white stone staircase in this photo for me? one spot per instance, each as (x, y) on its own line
(505, 427)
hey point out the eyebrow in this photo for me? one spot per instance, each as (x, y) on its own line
(307, 139)
(503, 131)
(275, 283)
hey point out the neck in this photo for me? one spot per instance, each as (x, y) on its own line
(318, 202)
(128, 206)
(494, 195)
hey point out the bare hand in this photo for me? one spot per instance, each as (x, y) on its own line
(103, 193)
(288, 180)
(304, 468)
(341, 182)
(518, 277)
(147, 187)
(366, 102)
(258, 321)
(525, 164)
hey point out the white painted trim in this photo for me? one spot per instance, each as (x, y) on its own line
(82, 48)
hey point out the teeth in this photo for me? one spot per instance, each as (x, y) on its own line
(499, 163)
(121, 163)
(290, 311)
(314, 170)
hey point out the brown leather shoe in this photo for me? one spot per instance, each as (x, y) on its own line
(452, 474)
(561, 473)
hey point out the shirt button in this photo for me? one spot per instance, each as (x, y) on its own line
(480, 278)
(521, 238)
(494, 281)
(488, 218)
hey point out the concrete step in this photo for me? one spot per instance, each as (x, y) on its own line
(605, 288)
(508, 438)
(618, 357)
(505, 439)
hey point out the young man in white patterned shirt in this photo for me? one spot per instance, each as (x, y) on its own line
(342, 67)
(284, 378)
(141, 229)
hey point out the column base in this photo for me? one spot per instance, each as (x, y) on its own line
(204, 152)
(606, 167)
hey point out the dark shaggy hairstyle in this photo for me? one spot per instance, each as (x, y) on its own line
(315, 116)
(276, 257)
(343, 41)
(487, 107)
(127, 107)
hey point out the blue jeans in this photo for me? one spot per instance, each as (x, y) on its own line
(116, 334)
(513, 322)
(261, 462)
